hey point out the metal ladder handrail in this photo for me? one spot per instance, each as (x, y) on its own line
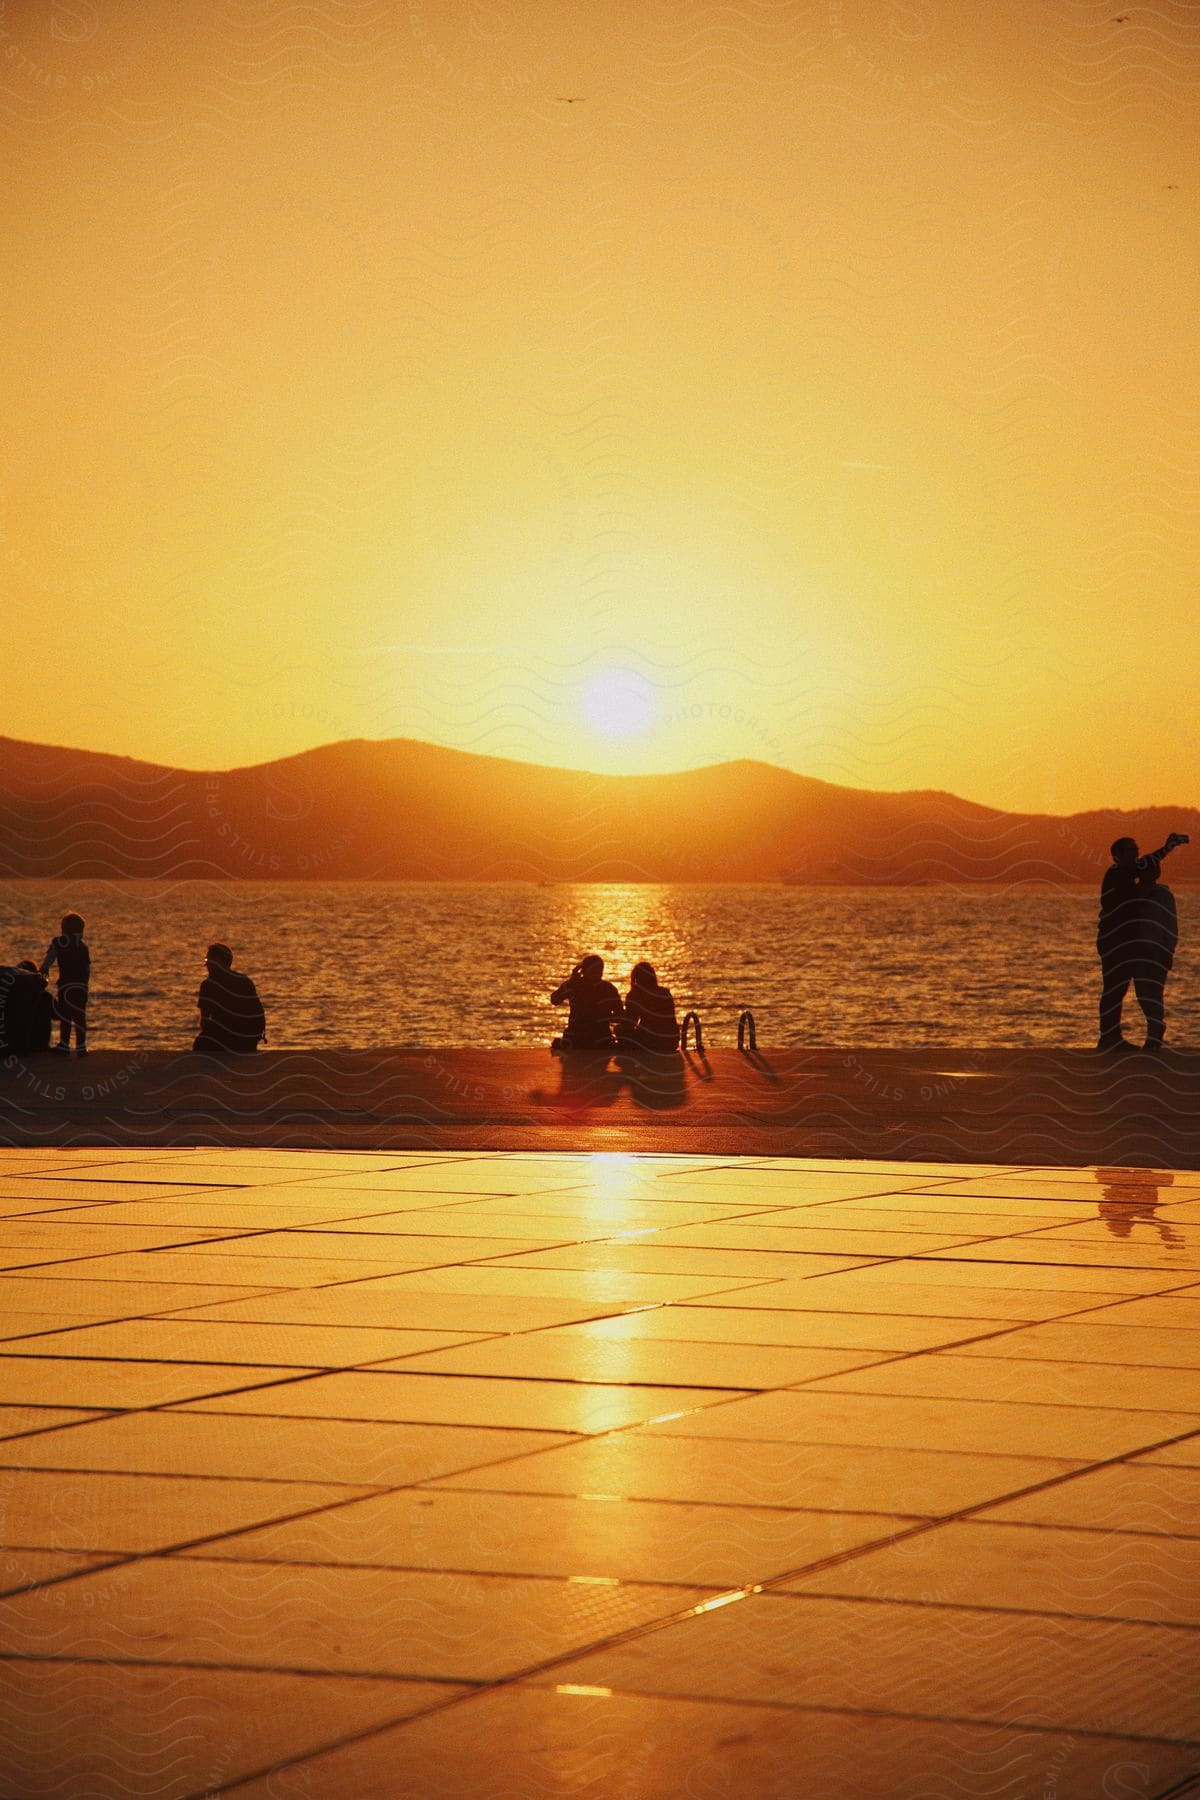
(746, 1029)
(692, 1018)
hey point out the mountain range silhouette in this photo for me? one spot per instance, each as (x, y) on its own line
(403, 810)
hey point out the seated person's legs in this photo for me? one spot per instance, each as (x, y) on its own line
(586, 1046)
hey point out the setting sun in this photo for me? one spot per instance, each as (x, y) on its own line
(619, 703)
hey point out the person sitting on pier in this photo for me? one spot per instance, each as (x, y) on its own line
(648, 1022)
(232, 1021)
(594, 1004)
(26, 1010)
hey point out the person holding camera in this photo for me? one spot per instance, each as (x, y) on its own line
(594, 1004)
(1130, 909)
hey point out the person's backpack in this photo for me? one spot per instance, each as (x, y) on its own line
(251, 1017)
(238, 1017)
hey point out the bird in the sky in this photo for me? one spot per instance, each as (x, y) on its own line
(570, 99)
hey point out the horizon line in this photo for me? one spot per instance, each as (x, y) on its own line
(187, 768)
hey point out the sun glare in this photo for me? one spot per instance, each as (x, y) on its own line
(619, 703)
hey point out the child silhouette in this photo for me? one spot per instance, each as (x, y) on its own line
(74, 961)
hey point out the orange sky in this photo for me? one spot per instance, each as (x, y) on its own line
(830, 366)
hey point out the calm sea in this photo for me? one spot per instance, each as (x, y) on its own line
(437, 964)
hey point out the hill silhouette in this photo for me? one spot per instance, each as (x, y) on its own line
(402, 810)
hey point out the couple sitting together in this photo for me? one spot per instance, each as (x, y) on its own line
(598, 1021)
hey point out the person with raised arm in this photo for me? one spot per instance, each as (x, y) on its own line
(1120, 936)
(594, 1004)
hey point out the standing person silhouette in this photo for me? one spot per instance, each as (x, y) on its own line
(74, 961)
(1119, 938)
(1156, 953)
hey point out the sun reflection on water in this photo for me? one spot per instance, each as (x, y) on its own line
(624, 925)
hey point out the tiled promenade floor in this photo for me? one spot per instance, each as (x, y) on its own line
(364, 1476)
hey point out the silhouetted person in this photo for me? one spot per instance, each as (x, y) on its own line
(648, 1022)
(26, 1011)
(74, 961)
(1156, 953)
(232, 1021)
(594, 1004)
(1119, 937)
(42, 1010)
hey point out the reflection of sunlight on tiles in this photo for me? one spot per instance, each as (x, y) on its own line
(960, 1383)
(612, 1174)
(707, 1606)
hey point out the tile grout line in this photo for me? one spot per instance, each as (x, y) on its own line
(762, 1215)
(849, 1713)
